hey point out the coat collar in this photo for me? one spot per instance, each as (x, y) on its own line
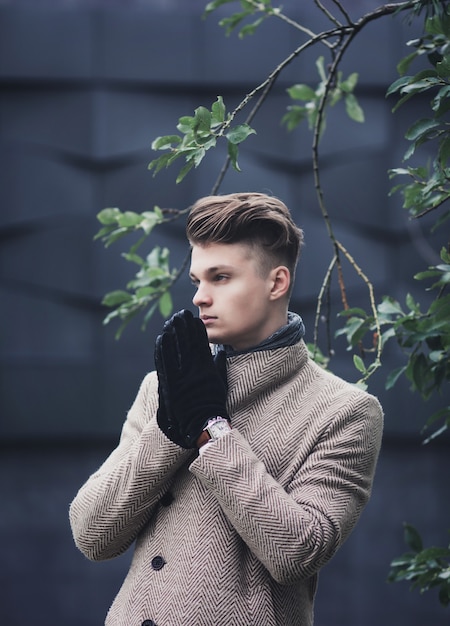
(255, 373)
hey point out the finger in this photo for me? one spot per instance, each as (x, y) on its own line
(168, 325)
(199, 331)
(183, 341)
(160, 370)
(157, 353)
(202, 346)
(169, 356)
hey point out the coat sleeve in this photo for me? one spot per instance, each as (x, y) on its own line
(117, 500)
(295, 528)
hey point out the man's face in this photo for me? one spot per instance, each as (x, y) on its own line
(233, 299)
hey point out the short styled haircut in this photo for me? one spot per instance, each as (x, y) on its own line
(257, 219)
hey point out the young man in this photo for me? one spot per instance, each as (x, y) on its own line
(239, 473)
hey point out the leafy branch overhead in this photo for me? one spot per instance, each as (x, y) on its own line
(429, 186)
(200, 133)
(150, 289)
(423, 336)
(313, 97)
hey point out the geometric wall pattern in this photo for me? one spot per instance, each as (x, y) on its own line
(84, 89)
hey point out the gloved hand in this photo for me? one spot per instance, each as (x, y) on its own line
(192, 386)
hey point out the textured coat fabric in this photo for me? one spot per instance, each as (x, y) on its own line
(235, 536)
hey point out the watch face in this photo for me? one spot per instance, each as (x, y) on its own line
(218, 429)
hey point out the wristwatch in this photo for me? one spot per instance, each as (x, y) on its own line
(215, 428)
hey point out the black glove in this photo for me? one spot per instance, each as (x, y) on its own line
(192, 387)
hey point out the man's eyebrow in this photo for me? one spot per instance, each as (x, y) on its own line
(213, 270)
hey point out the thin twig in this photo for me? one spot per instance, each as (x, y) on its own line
(324, 287)
(329, 15)
(431, 208)
(369, 285)
(277, 13)
(351, 31)
(341, 282)
(342, 10)
(277, 71)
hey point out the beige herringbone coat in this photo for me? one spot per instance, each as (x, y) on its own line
(239, 533)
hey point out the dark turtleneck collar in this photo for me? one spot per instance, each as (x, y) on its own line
(287, 335)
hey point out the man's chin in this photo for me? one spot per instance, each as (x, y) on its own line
(215, 337)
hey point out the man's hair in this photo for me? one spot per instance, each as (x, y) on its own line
(262, 221)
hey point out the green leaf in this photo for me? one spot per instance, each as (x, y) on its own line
(359, 363)
(184, 170)
(293, 117)
(202, 120)
(394, 376)
(301, 92)
(350, 83)
(320, 65)
(420, 128)
(413, 538)
(443, 67)
(233, 151)
(230, 23)
(109, 216)
(165, 304)
(129, 219)
(198, 156)
(218, 110)
(115, 298)
(441, 102)
(164, 143)
(443, 414)
(398, 171)
(215, 4)
(398, 84)
(249, 29)
(355, 311)
(386, 335)
(390, 306)
(444, 151)
(104, 232)
(239, 133)
(133, 258)
(412, 304)
(115, 235)
(420, 86)
(403, 65)
(354, 111)
(354, 330)
(186, 124)
(157, 257)
(163, 161)
(150, 220)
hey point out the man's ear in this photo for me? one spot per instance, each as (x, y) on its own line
(281, 281)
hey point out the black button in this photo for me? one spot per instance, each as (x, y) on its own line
(167, 499)
(148, 622)
(158, 562)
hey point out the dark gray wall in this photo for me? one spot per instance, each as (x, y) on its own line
(84, 89)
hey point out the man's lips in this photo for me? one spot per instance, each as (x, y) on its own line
(207, 319)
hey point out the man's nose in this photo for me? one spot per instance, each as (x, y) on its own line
(201, 296)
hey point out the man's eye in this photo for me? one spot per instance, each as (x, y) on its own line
(220, 277)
